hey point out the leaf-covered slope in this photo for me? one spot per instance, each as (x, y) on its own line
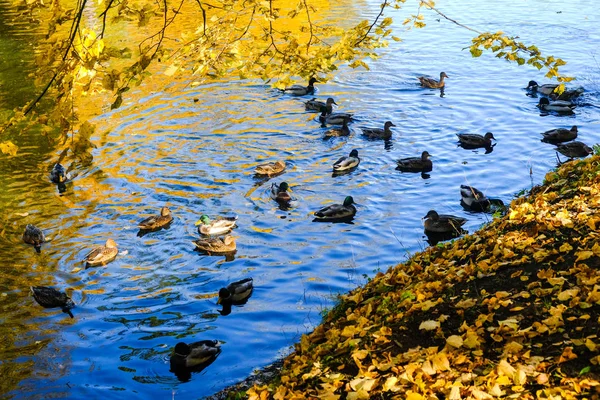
(511, 311)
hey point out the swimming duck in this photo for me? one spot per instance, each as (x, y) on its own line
(574, 149)
(415, 164)
(336, 212)
(559, 106)
(34, 235)
(216, 245)
(48, 297)
(102, 255)
(219, 226)
(299, 90)
(59, 174)
(236, 293)
(473, 199)
(545, 89)
(378, 133)
(338, 132)
(327, 117)
(270, 169)
(194, 354)
(475, 141)
(567, 95)
(442, 223)
(279, 193)
(157, 221)
(347, 162)
(432, 83)
(560, 135)
(316, 105)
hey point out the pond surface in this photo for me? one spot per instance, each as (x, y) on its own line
(199, 157)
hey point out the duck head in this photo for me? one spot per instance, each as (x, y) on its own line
(204, 220)
(165, 212)
(433, 215)
(224, 296)
(283, 187)
(388, 124)
(532, 85)
(354, 153)
(489, 135)
(443, 75)
(331, 101)
(312, 81)
(348, 201)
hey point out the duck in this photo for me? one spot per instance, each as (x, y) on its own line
(432, 83)
(347, 162)
(559, 135)
(559, 106)
(339, 132)
(337, 212)
(216, 245)
(299, 90)
(157, 221)
(236, 293)
(475, 141)
(48, 297)
(219, 226)
(473, 199)
(34, 236)
(270, 169)
(195, 354)
(442, 223)
(378, 133)
(327, 117)
(279, 193)
(59, 174)
(574, 149)
(102, 255)
(316, 105)
(545, 89)
(415, 164)
(567, 95)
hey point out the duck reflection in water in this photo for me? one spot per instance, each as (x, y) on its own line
(193, 357)
(235, 294)
(433, 238)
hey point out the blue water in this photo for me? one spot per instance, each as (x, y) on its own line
(198, 157)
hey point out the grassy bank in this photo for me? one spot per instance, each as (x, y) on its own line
(510, 311)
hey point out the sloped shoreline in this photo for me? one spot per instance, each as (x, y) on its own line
(510, 311)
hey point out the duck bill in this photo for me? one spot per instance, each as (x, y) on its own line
(219, 300)
(199, 222)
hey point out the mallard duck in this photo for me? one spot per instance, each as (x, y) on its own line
(415, 164)
(59, 174)
(432, 83)
(157, 221)
(567, 95)
(194, 354)
(34, 235)
(560, 135)
(475, 141)
(279, 193)
(102, 255)
(219, 226)
(336, 212)
(48, 297)
(270, 169)
(473, 199)
(378, 133)
(338, 132)
(545, 89)
(443, 223)
(329, 118)
(559, 106)
(316, 105)
(347, 162)
(236, 293)
(299, 90)
(574, 149)
(216, 245)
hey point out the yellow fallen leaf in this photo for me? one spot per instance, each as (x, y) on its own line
(429, 325)
(428, 368)
(455, 341)
(390, 384)
(567, 294)
(583, 255)
(504, 368)
(590, 345)
(566, 247)
(414, 396)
